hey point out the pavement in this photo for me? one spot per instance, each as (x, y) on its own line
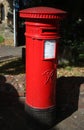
(70, 103)
(10, 52)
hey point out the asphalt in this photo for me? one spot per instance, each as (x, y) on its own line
(70, 103)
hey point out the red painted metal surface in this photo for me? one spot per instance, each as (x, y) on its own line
(43, 13)
(40, 77)
(42, 33)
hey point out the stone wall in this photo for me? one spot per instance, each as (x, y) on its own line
(6, 20)
(6, 11)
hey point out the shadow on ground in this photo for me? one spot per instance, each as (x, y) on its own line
(12, 112)
(12, 66)
(68, 90)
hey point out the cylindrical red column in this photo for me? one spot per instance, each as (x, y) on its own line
(42, 35)
(40, 68)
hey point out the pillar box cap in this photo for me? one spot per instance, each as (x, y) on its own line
(42, 13)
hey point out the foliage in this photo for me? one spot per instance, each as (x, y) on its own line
(1, 39)
(72, 31)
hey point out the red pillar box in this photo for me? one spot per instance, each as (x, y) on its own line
(42, 35)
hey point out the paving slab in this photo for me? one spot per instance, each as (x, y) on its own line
(73, 122)
(10, 51)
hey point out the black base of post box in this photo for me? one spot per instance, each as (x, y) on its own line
(43, 117)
